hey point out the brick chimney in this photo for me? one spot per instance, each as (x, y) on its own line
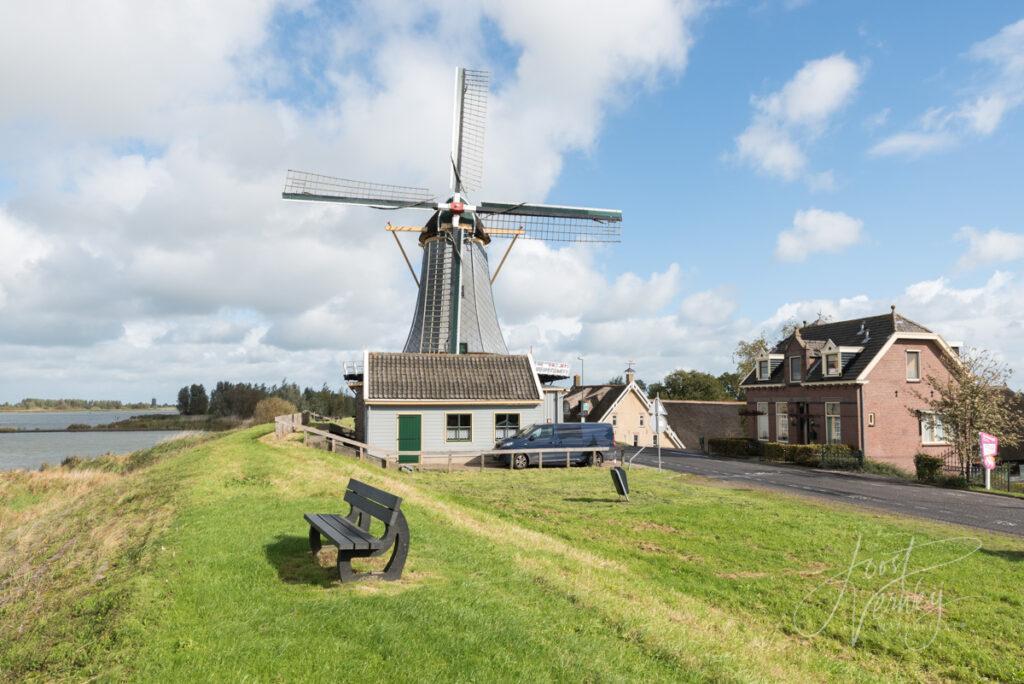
(576, 380)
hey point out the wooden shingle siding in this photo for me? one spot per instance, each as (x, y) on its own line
(382, 424)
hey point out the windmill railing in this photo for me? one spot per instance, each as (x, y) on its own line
(424, 460)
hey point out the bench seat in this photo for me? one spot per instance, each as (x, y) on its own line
(351, 532)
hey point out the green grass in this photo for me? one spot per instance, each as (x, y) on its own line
(192, 563)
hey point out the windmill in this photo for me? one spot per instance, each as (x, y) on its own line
(455, 304)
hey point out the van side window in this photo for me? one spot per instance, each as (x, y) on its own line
(542, 432)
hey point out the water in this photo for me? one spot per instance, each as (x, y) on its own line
(59, 420)
(31, 450)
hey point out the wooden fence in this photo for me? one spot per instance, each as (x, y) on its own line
(431, 460)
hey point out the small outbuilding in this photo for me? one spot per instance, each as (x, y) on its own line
(411, 402)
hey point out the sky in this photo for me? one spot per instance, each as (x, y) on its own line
(774, 160)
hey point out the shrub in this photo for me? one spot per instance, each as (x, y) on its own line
(841, 456)
(805, 454)
(271, 407)
(78, 427)
(734, 446)
(929, 468)
(775, 451)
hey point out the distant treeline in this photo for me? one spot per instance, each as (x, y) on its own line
(240, 399)
(75, 405)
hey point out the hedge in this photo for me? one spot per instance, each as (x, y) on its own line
(734, 446)
(810, 455)
(929, 468)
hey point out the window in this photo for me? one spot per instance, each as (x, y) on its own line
(655, 440)
(762, 421)
(796, 368)
(505, 425)
(781, 422)
(832, 367)
(641, 420)
(541, 432)
(932, 431)
(913, 366)
(871, 419)
(460, 427)
(615, 420)
(833, 423)
(763, 370)
(636, 440)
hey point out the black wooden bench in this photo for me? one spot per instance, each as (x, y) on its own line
(351, 533)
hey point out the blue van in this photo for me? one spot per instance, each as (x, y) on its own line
(591, 440)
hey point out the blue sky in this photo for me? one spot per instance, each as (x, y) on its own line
(773, 160)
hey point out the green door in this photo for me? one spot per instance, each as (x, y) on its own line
(408, 438)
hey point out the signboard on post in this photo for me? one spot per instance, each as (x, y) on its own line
(989, 445)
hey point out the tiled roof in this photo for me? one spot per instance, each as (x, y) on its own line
(601, 398)
(450, 377)
(878, 329)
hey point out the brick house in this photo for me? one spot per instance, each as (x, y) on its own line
(852, 382)
(626, 407)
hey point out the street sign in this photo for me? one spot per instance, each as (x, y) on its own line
(989, 445)
(658, 416)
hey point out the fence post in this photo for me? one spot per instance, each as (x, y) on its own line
(566, 459)
(482, 456)
(449, 461)
(540, 460)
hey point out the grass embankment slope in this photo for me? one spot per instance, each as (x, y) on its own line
(191, 561)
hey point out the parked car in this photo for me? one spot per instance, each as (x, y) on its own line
(587, 443)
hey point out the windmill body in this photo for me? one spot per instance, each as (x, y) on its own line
(455, 310)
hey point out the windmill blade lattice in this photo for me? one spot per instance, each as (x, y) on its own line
(468, 125)
(551, 222)
(302, 185)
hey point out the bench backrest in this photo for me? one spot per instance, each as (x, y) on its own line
(375, 502)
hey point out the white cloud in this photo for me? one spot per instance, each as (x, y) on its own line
(815, 230)
(146, 230)
(1003, 91)
(988, 247)
(786, 121)
(711, 307)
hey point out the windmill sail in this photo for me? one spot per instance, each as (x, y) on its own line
(314, 186)
(551, 222)
(455, 304)
(468, 123)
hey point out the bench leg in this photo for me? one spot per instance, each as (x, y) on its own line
(314, 540)
(393, 570)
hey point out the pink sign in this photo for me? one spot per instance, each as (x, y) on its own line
(989, 449)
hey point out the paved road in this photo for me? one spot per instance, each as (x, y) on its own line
(999, 513)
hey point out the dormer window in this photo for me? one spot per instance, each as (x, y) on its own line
(796, 368)
(832, 366)
(763, 369)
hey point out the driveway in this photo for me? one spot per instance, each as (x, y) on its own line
(987, 511)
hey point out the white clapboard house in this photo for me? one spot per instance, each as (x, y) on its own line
(413, 402)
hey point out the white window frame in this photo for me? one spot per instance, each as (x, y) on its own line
(930, 425)
(800, 362)
(917, 354)
(768, 365)
(641, 420)
(781, 422)
(839, 364)
(447, 437)
(871, 419)
(833, 423)
(762, 419)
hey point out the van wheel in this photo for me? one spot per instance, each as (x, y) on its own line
(520, 461)
(596, 458)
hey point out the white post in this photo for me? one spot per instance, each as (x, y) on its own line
(657, 425)
(988, 478)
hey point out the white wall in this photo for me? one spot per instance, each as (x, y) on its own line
(382, 424)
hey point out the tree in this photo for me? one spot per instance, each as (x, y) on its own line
(183, 397)
(692, 385)
(617, 380)
(972, 397)
(747, 352)
(730, 382)
(198, 402)
(271, 407)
